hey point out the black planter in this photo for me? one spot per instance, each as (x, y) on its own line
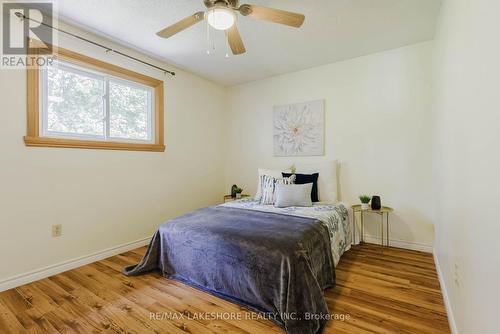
(376, 204)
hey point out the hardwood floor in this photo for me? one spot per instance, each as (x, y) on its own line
(378, 291)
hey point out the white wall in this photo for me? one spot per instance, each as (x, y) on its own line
(377, 125)
(104, 198)
(467, 161)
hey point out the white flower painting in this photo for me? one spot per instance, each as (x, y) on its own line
(299, 129)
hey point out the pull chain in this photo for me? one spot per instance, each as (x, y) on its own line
(215, 25)
(208, 38)
(227, 43)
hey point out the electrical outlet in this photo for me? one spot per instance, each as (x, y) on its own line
(456, 274)
(56, 230)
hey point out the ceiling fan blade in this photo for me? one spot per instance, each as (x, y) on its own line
(273, 15)
(181, 25)
(235, 42)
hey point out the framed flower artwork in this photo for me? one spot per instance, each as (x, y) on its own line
(299, 129)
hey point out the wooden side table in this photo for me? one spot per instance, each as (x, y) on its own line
(229, 198)
(384, 210)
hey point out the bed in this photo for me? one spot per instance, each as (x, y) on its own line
(276, 261)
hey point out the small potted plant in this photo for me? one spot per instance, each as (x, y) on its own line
(238, 192)
(365, 202)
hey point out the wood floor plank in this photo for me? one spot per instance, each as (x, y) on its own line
(133, 315)
(22, 309)
(379, 290)
(8, 322)
(163, 302)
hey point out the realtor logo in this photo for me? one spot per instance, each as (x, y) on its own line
(26, 33)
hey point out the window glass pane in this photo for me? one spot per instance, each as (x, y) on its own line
(74, 103)
(129, 111)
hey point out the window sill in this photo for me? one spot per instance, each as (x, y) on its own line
(89, 144)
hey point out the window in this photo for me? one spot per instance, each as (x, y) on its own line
(81, 102)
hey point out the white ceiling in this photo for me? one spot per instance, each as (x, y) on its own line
(333, 30)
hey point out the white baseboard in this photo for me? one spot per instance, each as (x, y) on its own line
(54, 269)
(444, 291)
(401, 244)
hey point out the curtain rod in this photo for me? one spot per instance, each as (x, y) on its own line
(108, 49)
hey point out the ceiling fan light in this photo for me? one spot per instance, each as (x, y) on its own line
(221, 18)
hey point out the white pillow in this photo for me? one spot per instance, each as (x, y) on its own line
(269, 172)
(327, 181)
(293, 195)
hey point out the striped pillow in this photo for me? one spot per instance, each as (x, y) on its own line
(268, 185)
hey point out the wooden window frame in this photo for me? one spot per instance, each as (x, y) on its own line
(33, 137)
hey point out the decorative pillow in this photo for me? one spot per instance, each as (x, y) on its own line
(268, 185)
(307, 178)
(293, 195)
(269, 172)
(327, 182)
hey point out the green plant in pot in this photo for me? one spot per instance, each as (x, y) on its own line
(233, 192)
(365, 202)
(238, 192)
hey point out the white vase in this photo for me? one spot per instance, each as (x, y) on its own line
(238, 195)
(365, 206)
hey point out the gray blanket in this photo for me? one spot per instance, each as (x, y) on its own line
(268, 262)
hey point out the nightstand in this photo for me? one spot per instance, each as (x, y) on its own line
(384, 210)
(229, 198)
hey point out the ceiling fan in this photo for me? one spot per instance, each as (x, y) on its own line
(221, 15)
